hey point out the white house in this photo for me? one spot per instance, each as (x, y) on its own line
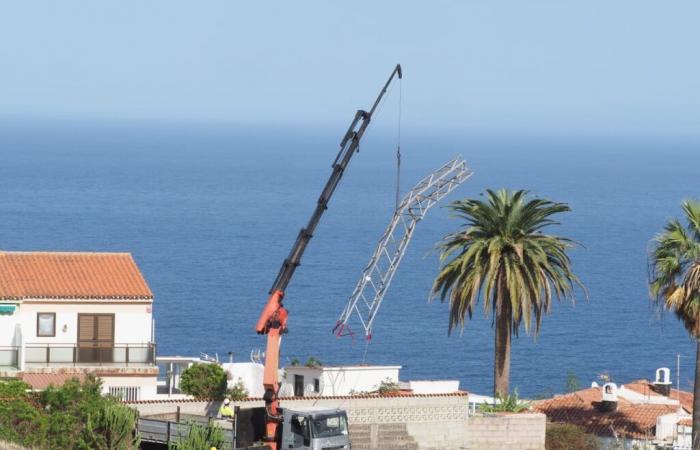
(300, 381)
(63, 314)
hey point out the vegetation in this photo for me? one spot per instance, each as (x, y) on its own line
(503, 257)
(238, 391)
(75, 416)
(509, 403)
(200, 437)
(295, 362)
(313, 362)
(572, 382)
(675, 284)
(388, 387)
(204, 381)
(562, 436)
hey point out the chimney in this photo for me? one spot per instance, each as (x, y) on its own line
(662, 385)
(609, 394)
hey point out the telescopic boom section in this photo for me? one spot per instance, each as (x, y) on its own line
(273, 320)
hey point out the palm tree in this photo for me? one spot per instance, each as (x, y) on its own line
(675, 284)
(502, 256)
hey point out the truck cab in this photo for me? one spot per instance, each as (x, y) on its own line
(322, 429)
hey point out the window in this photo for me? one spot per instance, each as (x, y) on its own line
(46, 324)
(298, 385)
(317, 385)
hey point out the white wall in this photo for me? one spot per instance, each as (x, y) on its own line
(7, 329)
(434, 387)
(132, 322)
(342, 380)
(250, 373)
(147, 384)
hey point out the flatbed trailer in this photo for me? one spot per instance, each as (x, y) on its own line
(166, 429)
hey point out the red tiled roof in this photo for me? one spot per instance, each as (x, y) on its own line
(70, 275)
(580, 408)
(645, 387)
(44, 380)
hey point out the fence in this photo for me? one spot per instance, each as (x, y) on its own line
(99, 354)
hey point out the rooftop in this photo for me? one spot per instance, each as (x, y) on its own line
(69, 275)
(634, 418)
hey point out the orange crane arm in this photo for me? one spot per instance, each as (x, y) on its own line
(273, 319)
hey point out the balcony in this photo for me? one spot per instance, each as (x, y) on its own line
(9, 358)
(97, 354)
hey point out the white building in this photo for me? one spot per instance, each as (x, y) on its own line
(300, 381)
(64, 314)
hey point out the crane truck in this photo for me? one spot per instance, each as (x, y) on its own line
(310, 429)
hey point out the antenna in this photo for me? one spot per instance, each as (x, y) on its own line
(678, 379)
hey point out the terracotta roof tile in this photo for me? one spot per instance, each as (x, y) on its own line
(63, 275)
(581, 408)
(44, 380)
(645, 387)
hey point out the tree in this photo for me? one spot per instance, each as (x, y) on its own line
(502, 257)
(204, 381)
(674, 284)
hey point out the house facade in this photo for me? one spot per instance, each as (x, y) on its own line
(303, 381)
(64, 314)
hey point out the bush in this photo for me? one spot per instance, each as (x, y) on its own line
(204, 381)
(511, 403)
(74, 416)
(387, 387)
(238, 391)
(562, 436)
(200, 437)
(112, 428)
(313, 362)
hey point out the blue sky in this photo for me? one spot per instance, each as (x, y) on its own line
(540, 66)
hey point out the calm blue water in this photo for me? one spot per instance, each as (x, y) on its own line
(210, 213)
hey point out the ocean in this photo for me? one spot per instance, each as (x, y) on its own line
(210, 212)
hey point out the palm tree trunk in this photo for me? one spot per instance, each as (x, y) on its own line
(501, 367)
(696, 400)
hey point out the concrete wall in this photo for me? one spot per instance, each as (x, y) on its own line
(425, 422)
(506, 432)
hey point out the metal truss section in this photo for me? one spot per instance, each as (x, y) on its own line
(377, 275)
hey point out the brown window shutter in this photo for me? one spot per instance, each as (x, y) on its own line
(105, 329)
(86, 327)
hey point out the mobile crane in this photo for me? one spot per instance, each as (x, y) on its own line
(314, 429)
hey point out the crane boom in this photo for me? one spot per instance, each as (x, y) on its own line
(348, 146)
(273, 319)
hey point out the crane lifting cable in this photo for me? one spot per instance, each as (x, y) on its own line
(369, 291)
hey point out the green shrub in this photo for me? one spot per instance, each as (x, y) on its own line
(74, 416)
(200, 437)
(313, 362)
(562, 436)
(238, 391)
(387, 387)
(204, 381)
(511, 403)
(112, 428)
